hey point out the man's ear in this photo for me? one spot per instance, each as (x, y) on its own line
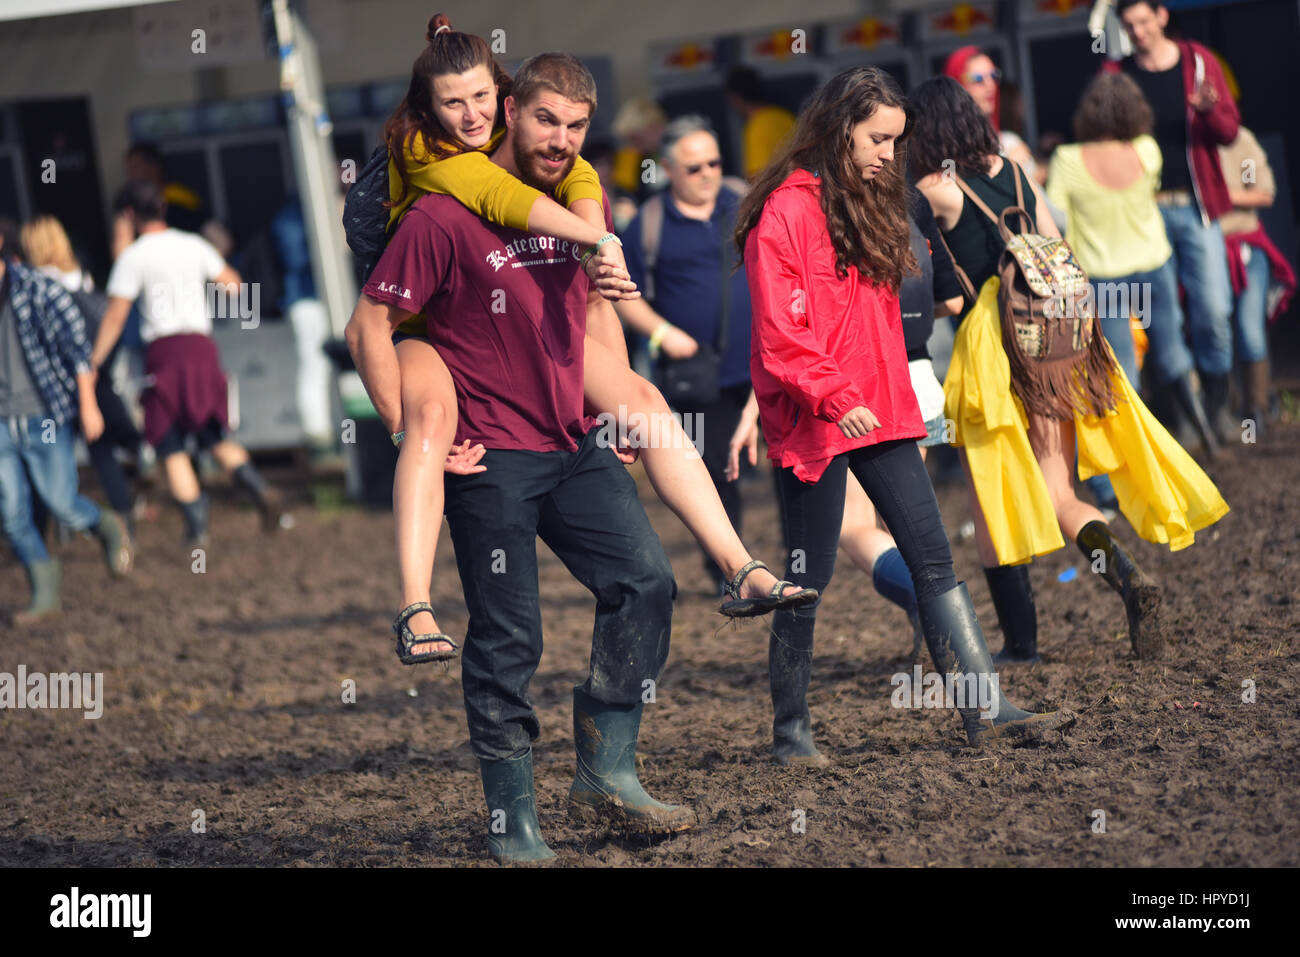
(512, 112)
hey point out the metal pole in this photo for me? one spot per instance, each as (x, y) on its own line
(319, 182)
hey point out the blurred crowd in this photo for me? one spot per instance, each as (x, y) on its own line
(1157, 188)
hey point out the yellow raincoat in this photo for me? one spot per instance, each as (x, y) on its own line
(1162, 492)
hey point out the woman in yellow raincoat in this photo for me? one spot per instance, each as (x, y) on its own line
(1020, 461)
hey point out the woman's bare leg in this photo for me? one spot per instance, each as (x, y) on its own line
(672, 463)
(1053, 443)
(429, 418)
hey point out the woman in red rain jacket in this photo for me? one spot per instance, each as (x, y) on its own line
(825, 241)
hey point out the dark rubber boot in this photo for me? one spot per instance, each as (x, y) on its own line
(264, 496)
(1193, 412)
(195, 514)
(118, 552)
(789, 669)
(1256, 390)
(46, 579)
(1140, 592)
(513, 833)
(605, 790)
(1216, 408)
(953, 635)
(1013, 600)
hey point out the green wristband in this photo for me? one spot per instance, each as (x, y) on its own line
(608, 237)
(398, 436)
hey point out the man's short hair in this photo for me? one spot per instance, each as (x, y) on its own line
(681, 128)
(144, 199)
(145, 151)
(560, 73)
(745, 83)
(1122, 5)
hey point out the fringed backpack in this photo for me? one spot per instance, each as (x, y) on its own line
(1060, 362)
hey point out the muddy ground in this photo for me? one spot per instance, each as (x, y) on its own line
(223, 694)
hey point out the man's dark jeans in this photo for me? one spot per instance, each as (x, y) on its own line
(584, 506)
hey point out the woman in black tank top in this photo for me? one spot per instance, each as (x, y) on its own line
(974, 241)
(952, 139)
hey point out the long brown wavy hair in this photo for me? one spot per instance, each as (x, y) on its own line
(867, 221)
(447, 52)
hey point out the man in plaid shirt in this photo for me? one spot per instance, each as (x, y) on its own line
(44, 361)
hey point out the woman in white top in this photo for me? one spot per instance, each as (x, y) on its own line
(1106, 184)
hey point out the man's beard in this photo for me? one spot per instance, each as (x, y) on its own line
(532, 172)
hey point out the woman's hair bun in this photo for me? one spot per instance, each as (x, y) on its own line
(438, 23)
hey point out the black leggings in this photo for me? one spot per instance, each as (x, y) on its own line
(119, 432)
(894, 477)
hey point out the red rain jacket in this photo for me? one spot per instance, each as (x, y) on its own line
(821, 345)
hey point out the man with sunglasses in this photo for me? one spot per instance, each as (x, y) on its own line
(679, 251)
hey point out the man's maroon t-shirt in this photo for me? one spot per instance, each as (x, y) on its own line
(507, 311)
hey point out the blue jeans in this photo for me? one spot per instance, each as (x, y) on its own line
(1115, 323)
(47, 452)
(1251, 325)
(1201, 262)
(1152, 296)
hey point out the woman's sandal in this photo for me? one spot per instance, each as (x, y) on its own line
(753, 607)
(406, 639)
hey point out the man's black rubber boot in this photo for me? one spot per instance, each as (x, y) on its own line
(513, 833)
(1192, 411)
(956, 642)
(1255, 388)
(264, 496)
(1013, 600)
(1216, 387)
(195, 514)
(789, 669)
(1140, 592)
(605, 790)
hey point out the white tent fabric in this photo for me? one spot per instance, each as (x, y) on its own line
(26, 9)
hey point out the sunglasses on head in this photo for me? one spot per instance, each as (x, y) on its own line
(977, 78)
(696, 167)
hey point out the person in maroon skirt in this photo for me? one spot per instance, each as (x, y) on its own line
(169, 273)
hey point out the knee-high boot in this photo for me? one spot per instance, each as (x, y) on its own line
(956, 642)
(513, 833)
(1189, 405)
(1140, 592)
(605, 789)
(1013, 600)
(789, 668)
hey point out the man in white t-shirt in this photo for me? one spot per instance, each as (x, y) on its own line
(173, 275)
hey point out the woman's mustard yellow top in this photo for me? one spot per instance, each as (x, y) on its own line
(482, 186)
